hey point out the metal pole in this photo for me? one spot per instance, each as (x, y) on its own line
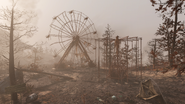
(141, 56)
(132, 58)
(99, 54)
(127, 59)
(106, 46)
(95, 52)
(98, 58)
(136, 56)
(132, 54)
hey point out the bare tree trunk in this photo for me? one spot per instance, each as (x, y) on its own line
(109, 49)
(174, 36)
(169, 54)
(154, 63)
(35, 58)
(11, 62)
(106, 52)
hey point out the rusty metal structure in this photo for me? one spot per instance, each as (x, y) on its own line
(76, 35)
(123, 55)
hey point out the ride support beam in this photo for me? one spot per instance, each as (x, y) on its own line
(67, 51)
(84, 51)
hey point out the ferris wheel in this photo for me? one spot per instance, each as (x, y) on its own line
(76, 35)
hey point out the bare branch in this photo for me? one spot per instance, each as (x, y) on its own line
(5, 27)
(18, 23)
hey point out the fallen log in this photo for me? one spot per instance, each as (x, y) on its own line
(33, 71)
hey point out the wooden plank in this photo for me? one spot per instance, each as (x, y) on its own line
(33, 71)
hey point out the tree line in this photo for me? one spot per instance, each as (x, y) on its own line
(172, 35)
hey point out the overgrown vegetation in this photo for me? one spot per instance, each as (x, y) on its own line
(171, 33)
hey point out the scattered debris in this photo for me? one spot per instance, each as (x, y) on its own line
(32, 98)
(148, 92)
(44, 92)
(113, 97)
(100, 99)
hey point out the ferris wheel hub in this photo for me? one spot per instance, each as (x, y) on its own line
(75, 38)
(75, 33)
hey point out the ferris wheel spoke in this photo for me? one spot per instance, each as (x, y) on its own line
(67, 34)
(78, 20)
(74, 21)
(65, 46)
(82, 26)
(60, 42)
(87, 42)
(65, 24)
(59, 29)
(70, 21)
(61, 36)
(87, 48)
(53, 26)
(67, 51)
(64, 36)
(60, 51)
(69, 27)
(87, 38)
(87, 34)
(65, 41)
(86, 28)
(84, 40)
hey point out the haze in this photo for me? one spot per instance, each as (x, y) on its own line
(126, 17)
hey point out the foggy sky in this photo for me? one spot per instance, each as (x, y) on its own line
(126, 17)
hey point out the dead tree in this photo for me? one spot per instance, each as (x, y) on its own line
(166, 31)
(176, 7)
(15, 21)
(108, 43)
(155, 53)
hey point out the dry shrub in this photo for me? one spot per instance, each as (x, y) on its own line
(29, 90)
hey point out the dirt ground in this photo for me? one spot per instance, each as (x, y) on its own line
(87, 88)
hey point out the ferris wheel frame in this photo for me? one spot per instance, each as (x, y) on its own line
(76, 30)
